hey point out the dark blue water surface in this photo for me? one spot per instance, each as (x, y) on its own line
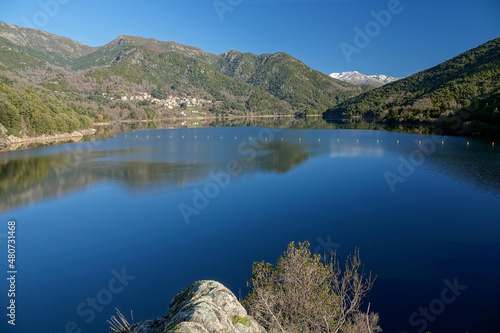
(129, 222)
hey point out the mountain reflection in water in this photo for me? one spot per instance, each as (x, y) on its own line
(158, 158)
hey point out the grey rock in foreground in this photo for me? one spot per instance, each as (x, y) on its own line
(204, 306)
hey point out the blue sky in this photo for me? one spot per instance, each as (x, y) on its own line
(328, 35)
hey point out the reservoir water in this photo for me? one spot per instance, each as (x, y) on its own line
(129, 221)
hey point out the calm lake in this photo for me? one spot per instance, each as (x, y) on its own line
(131, 220)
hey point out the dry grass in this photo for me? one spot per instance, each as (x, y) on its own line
(119, 323)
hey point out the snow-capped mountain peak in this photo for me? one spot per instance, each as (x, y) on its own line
(357, 78)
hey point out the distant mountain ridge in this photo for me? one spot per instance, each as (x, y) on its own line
(357, 78)
(42, 41)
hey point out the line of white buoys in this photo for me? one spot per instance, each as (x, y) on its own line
(300, 140)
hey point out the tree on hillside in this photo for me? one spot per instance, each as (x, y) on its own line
(302, 294)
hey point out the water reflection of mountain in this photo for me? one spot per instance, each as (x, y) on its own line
(30, 179)
(27, 179)
(281, 157)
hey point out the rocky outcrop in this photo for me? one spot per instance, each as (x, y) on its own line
(13, 142)
(205, 307)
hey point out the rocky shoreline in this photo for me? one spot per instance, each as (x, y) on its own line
(12, 142)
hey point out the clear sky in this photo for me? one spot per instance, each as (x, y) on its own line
(328, 35)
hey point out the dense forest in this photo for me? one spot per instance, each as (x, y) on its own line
(27, 110)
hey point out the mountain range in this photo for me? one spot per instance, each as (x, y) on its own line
(70, 82)
(53, 84)
(359, 79)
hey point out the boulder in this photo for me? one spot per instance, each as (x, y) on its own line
(205, 307)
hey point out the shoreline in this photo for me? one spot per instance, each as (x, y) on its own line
(133, 121)
(12, 142)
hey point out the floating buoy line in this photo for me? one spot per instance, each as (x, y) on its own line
(283, 139)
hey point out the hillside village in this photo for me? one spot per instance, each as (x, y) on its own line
(168, 103)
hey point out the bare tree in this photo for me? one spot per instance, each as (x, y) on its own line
(302, 294)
